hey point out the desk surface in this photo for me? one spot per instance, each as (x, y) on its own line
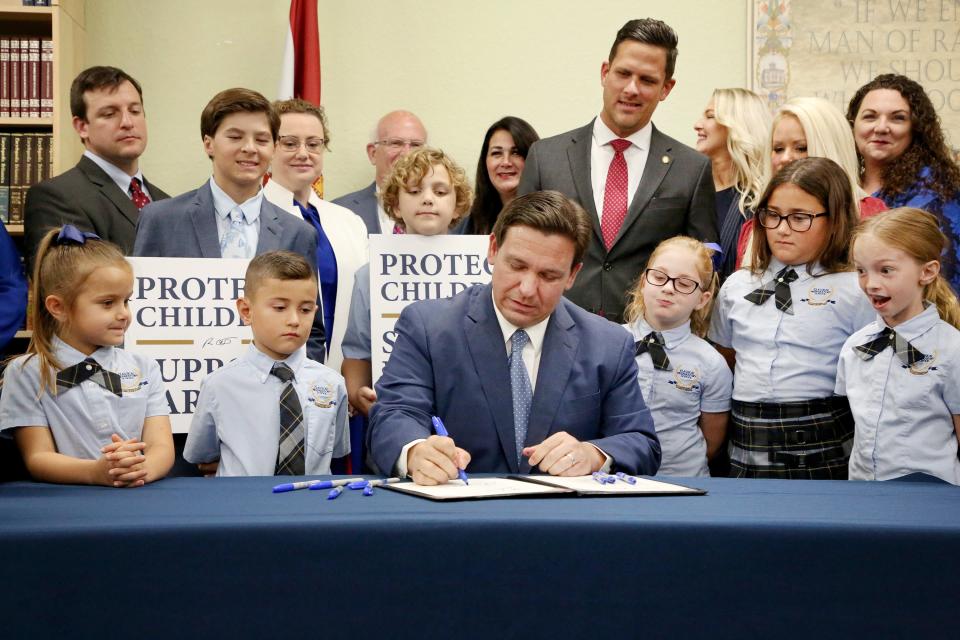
(229, 558)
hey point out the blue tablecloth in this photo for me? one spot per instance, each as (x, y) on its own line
(193, 557)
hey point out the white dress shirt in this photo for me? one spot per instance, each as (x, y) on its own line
(119, 176)
(224, 204)
(904, 414)
(601, 155)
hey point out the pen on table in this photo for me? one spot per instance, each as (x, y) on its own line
(368, 487)
(329, 484)
(335, 492)
(442, 431)
(626, 478)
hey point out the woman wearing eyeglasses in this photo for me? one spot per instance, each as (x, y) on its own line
(341, 234)
(782, 323)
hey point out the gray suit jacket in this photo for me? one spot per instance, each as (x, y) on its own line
(674, 197)
(364, 204)
(86, 197)
(186, 227)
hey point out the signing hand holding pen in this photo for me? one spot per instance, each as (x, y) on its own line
(436, 460)
(563, 455)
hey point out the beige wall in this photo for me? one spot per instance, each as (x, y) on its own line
(459, 65)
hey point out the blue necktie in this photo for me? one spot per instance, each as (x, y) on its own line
(234, 243)
(522, 391)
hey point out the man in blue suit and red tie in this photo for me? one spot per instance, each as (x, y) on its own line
(523, 379)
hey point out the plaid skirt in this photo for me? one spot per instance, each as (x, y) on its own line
(810, 439)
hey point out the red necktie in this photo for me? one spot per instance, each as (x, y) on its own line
(615, 194)
(140, 199)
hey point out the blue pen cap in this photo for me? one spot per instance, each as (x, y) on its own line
(368, 490)
(326, 484)
(358, 484)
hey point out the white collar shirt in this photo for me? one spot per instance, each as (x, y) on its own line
(224, 205)
(904, 414)
(532, 350)
(698, 381)
(118, 175)
(784, 357)
(82, 418)
(601, 155)
(237, 418)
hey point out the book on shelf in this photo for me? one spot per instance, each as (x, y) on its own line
(26, 77)
(26, 160)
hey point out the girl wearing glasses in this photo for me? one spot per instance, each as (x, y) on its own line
(781, 324)
(685, 382)
(810, 127)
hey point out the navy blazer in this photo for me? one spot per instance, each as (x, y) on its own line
(186, 227)
(450, 360)
(364, 204)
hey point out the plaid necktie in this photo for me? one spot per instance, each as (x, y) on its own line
(653, 344)
(521, 388)
(140, 199)
(615, 194)
(887, 338)
(290, 455)
(779, 288)
(89, 369)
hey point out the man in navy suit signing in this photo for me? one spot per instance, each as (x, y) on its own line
(523, 379)
(228, 216)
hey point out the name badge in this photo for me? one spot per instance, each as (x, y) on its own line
(322, 395)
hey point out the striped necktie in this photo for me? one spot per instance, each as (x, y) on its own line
(290, 455)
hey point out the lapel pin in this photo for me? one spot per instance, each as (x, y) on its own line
(665, 159)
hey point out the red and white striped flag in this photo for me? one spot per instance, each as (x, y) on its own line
(300, 75)
(300, 72)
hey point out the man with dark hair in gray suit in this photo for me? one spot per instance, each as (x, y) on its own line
(395, 135)
(106, 190)
(638, 186)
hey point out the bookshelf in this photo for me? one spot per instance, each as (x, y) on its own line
(64, 24)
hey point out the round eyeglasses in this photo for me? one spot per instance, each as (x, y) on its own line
(798, 220)
(292, 144)
(658, 278)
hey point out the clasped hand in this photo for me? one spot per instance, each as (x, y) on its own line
(124, 462)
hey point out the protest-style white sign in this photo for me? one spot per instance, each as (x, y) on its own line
(184, 315)
(407, 268)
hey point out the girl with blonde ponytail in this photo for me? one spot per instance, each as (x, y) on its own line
(82, 410)
(899, 373)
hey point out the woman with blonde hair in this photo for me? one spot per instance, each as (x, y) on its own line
(811, 127)
(732, 132)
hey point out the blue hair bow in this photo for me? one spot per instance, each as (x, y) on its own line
(713, 246)
(70, 233)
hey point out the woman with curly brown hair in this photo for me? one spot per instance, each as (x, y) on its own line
(904, 158)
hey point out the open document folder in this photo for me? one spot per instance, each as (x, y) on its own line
(538, 486)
